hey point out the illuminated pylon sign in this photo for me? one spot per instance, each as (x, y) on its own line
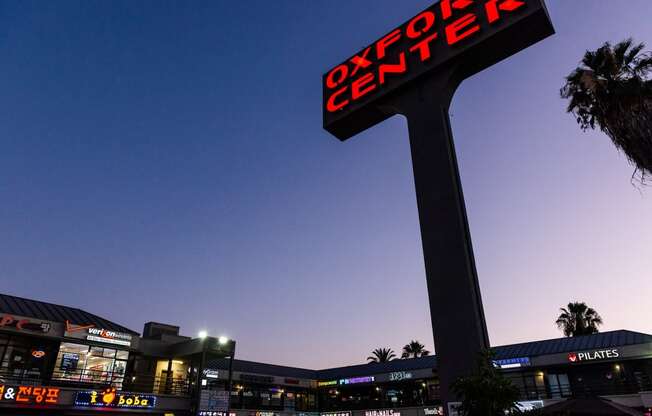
(414, 70)
(464, 35)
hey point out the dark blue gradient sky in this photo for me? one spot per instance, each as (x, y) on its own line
(165, 161)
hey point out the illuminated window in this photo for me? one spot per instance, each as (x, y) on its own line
(77, 362)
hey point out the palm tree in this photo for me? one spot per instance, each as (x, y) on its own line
(578, 319)
(381, 355)
(414, 349)
(611, 89)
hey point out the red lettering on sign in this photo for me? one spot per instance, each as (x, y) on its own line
(52, 396)
(492, 7)
(331, 105)
(357, 85)
(39, 394)
(360, 61)
(447, 7)
(332, 81)
(23, 394)
(29, 394)
(428, 19)
(399, 68)
(399, 52)
(424, 47)
(381, 45)
(6, 320)
(455, 31)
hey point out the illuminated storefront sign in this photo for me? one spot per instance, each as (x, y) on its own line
(211, 413)
(357, 380)
(327, 383)
(387, 412)
(433, 411)
(27, 395)
(38, 353)
(109, 337)
(512, 362)
(22, 324)
(291, 381)
(209, 373)
(336, 414)
(400, 375)
(527, 406)
(90, 333)
(112, 398)
(255, 378)
(576, 357)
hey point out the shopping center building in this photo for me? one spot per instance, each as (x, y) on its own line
(58, 360)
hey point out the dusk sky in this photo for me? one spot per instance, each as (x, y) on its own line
(165, 161)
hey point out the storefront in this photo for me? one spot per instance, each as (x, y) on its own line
(619, 370)
(63, 361)
(28, 346)
(56, 360)
(93, 355)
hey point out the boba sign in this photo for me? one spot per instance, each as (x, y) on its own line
(111, 398)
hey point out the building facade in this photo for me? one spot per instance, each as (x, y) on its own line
(65, 361)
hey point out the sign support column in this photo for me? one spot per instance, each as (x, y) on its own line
(456, 310)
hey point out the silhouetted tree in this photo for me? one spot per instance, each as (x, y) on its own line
(611, 89)
(381, 355)
(578, 319)
(487, 392)
(414, 349)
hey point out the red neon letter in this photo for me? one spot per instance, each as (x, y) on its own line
(331, 105)
(508, 6)
(454, 31)
(424, 47)
(23, 394)
(392, 69)
(6, 320)
(447, 8)
(429, 20)
(381, 45)
(52, 395)
(331, 81)
(356, 87)
(360, 61)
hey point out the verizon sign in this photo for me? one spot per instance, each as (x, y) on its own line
(105, 336)
(109, 337)
(595, 355)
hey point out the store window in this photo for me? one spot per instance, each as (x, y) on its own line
(559, 385)
(90, 364)
(23, 357)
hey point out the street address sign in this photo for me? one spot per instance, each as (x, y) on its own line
(468, 35)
